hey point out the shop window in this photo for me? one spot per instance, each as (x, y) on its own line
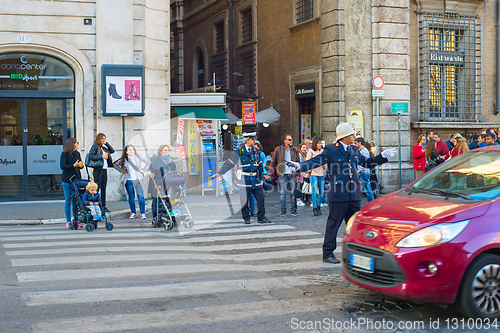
(246, 26)
(450, 67)
(219, 37)
(304, 10)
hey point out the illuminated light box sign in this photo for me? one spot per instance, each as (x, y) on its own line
(122, 90)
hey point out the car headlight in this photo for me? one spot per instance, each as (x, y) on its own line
(350, 223)
(433, 235)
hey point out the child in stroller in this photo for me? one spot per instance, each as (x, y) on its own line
(92, 200)
(83, 214)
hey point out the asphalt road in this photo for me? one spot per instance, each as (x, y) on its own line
(219, 276)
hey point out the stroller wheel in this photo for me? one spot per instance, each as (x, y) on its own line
(168, 225)
(89, 227)
(153, 222)
(109, 226)
(188, 223)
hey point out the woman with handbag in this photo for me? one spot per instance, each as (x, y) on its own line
(132, 166)
(317, 177)
(162, 164)
(70, 163)
(99, 158)
(305, 198)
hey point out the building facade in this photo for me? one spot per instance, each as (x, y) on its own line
(51, 56)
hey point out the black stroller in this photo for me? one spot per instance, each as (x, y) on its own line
(170, 207)
(81, 213)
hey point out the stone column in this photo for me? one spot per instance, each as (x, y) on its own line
(391, 60)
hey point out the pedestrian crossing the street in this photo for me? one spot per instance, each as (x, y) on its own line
(156, 280)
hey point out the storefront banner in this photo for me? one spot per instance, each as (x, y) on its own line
(225, 181)
(123, 94)
(180, 150)
(305, 127)
(11, 161)
(44, 160)
(180, 133)
(355, 119)
(193, 147)
(248, 112)
(205, 126)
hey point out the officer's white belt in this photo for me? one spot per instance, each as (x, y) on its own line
(251, 174)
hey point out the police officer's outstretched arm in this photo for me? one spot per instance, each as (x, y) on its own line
(315, 162)
(228, 165)
(376, 160)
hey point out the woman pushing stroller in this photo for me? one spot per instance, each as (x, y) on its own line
(162, 164)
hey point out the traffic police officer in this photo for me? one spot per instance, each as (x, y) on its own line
(249, 176)
(345, 188)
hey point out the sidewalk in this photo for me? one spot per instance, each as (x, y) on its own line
(52, 212)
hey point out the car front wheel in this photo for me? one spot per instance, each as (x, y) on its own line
(479, 296)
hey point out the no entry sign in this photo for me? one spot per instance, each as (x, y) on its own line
(378, 82)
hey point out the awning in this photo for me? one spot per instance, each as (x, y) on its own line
(269, 115)
(207, 113)
(231, 119)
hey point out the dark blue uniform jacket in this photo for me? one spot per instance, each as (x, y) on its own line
(344, 181)
(250, 162)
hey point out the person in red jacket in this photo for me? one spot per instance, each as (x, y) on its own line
(419, 156)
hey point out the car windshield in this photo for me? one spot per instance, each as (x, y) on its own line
(471, 176)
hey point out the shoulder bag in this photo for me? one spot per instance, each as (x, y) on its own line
(91, 163)
(306, 188)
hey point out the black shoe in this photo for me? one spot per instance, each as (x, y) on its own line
(253, 214)
(105, 209)
(264, 220)
(295, 214)
(331, 260)
(247, 221)
(315, 211)
(319, 210)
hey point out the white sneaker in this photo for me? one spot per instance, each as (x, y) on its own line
(300, 203)
(143, 216)
(132, 216)
(324, 205)
(311, 205)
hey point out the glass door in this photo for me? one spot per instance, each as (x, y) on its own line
(33, 132)
(11, 150)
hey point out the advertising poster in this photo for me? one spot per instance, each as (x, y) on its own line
(192, 147)
(355, 119)
(123, 94)
(225, 181)
(11, 160)
(248, 112)
(205, 126)
(44, 160)
(305, 127)
(180, 133)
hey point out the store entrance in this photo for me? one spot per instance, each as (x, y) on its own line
(33, 133)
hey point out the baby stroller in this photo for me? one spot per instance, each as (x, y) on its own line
(81, 213)
(171, 202)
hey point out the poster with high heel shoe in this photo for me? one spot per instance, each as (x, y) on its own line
(123, 95)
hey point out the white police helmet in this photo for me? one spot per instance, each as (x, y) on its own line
(343, 130)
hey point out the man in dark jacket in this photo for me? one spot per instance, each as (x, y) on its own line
(250, 177)
(287, 178)
(342, 159)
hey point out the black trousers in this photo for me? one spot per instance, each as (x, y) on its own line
(259, 197)
(339, 211)
(101, 179)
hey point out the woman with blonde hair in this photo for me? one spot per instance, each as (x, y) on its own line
(460, 148)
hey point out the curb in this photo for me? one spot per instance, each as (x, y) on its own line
(114, 215)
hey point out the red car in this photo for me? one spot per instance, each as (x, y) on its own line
(436, 240)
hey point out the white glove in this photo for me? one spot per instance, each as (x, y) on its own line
(389, 153)
(293, 165)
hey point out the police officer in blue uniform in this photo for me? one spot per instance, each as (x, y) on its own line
(344, 196)
(250, 177)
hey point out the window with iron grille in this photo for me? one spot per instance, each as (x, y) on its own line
(218, 66)
(246, 26)
(450, 67)
(304, 10)
(219, 37)
(245, 65)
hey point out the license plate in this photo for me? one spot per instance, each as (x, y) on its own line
(362, 262)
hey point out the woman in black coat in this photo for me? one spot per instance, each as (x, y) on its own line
(71, 163)
(101, 151)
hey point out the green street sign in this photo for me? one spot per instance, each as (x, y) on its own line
(399, 107)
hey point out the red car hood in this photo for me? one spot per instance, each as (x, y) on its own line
(409, 213)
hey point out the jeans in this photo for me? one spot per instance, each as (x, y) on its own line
(287, 185)
(365, 180)
(318, 187)
(95, 210)
(67, 201)
(130, 185)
